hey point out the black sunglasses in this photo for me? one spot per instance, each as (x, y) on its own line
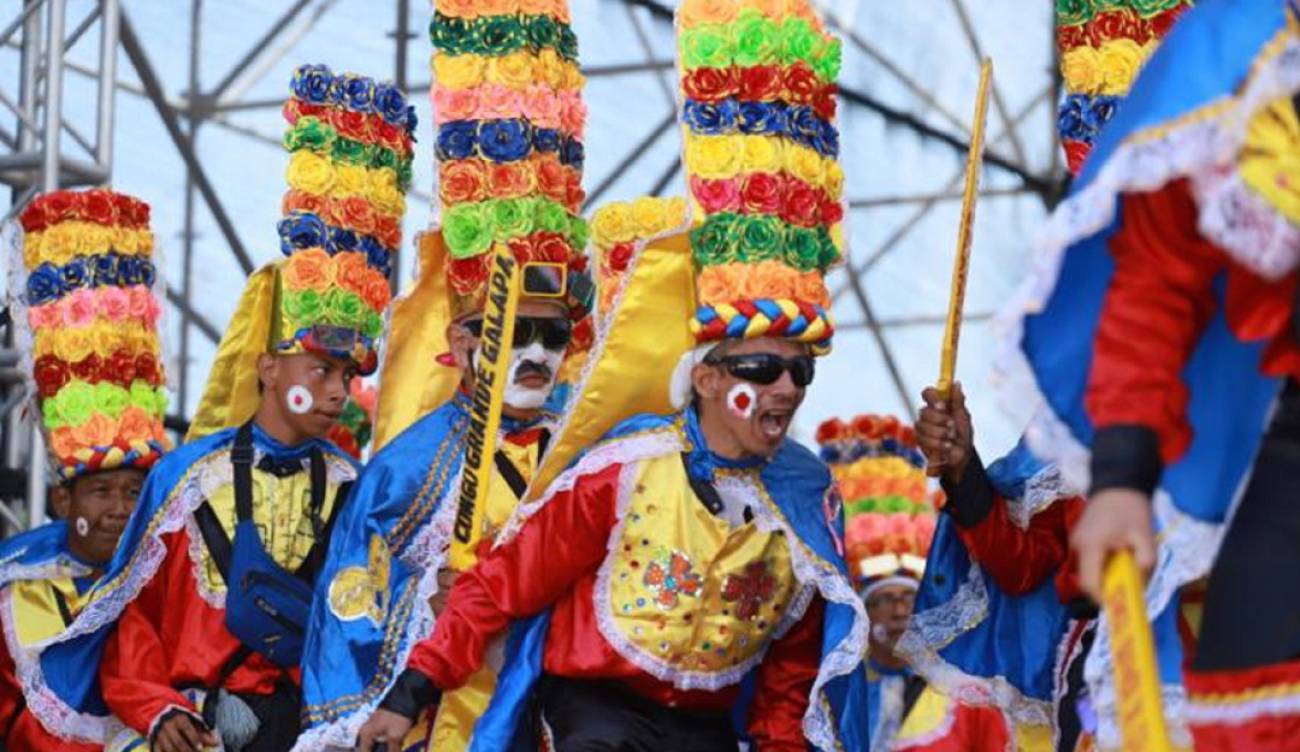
(553, 333)
(766, 368)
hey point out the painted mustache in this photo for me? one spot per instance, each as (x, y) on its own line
(530, 367)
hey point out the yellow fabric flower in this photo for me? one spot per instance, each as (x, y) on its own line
(805, 164)
(1081, 69)
(350, 180)
(515, 69)
(384, 193)
(613, 224)
(460, 71)
(714, 156)
(1119, 63)
(651, 215)
(310, 173)
(833, 179)
(762, 153)
(76, 344)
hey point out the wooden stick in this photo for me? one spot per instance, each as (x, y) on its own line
(961, 264)
(1133, 657)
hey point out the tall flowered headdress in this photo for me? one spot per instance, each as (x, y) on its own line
(761, 154)
(1103, 46)
(507, 96)
(889, 516)
(86, 295)
(350, 141)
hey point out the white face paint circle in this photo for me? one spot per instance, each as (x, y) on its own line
(742, 400)
(521, 397)
(83, 527)
(299, 399)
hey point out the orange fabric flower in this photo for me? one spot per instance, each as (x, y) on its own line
(311, 269)
(99, 431)
(351, 269)
(697, 12)
(135, 425)
(360, 215)
(376, 292)
(810, 287)
(63, 442)
(770, 279)
(458, 8)
(511, 180)
(720, 284)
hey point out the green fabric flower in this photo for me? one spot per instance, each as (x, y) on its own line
(798, 41)
(450, 35)
(76, 403)
(551, 217)
(50, 415)
(706, 46)
(303, 308)
(143, 397)
(111, 399)
(373, 325)
(384, 158)
(467, 230)
(511, 218)
(1073, 12)
(352, 152)
(580, 233)
(543, 32)
(828, 59)
(761, 239)
(715, 242)
(756, 39)
(499, 35)
(830, 254)
(344, 308)
(803, 248)
(311, 134)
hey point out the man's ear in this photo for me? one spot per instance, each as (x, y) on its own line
(61, 500)
(706, 380)
(461, 343)
(268, 370)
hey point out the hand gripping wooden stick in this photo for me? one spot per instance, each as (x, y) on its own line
(961, 264)
(1133, 656)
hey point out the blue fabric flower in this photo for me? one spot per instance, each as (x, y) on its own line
(301, 230)
(103, 269)
(148, 273)
(391, 105)
(342, 239)
(376, 254)
(505, 140)
(1098, 113)
(457, 139)
(76, 274)
(573, 153)
(1070, 118)
(357, 92)
(805, 126)
(711, 118)
(827, 141)
(546, 139)
(44, 285)
(761, 118)
(312, 83)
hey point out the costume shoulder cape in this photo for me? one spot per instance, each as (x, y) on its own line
(798, 484)
(173, 489)
(371, 604)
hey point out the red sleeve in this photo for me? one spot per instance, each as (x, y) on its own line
(562, 542)
(785, 682)
(133, 672)
(1019, 560)
(1160, 300)
(11, 695)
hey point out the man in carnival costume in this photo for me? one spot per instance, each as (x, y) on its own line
(510, 160)
(205, 603)
(889, 520)
(1160, 331)
(88, 317)
(700, 585)
(1027, 651)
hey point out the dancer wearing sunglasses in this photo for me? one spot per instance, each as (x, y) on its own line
(389, 571)
(688, 554)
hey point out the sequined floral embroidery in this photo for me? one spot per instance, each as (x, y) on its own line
(670, 577)
(749, 590)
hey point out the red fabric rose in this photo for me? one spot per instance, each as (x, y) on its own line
(147, 369)
(522, 249)
(124, 206)
(62, 206)
(466, 276)
(801, 83)
(802, 204)
(552, 179)
(824, 103)
(620, 256)
(761, 83)
(575, 194)
(832, 211)
(97, 206)
(36, 216)
(51, 375)
(1113, 24)
(389, 135)
(87, 369)
(1161, 24)
(831, 430)
(551, 246)
(578, 264)
(583, 335)
(120, 368)
(1069, 37)
(140, 213)
(716, 195)
(709, 84)
(760, 193)
(353, 125)
(291, 111)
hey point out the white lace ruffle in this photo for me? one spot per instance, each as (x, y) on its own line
(57, 567)
(54, 714)
(1237, 218)
(936, 628)
(891, 712)
(1235, 714)
(1041, 490)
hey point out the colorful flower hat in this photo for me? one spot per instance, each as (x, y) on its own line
(889, 515)
(1103, 46)
(351, 143)
(616, 231)
(761, 154)
(86, 294)
(355, 426)
(507, 96)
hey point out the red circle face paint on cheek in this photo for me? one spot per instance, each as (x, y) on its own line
(299, 399)
(741, 400)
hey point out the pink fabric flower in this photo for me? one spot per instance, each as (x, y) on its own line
(142, 302)
(114, 303)
(573, 113)
(44, 316)
(542, 106)
(454, 104)
(716, 195)
(80, 308)
(498, 102)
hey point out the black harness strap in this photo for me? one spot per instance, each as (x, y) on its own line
(61, 602)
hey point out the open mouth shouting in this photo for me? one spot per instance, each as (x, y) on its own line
(773, 422)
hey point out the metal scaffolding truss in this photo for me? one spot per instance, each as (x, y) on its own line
(41, 148)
